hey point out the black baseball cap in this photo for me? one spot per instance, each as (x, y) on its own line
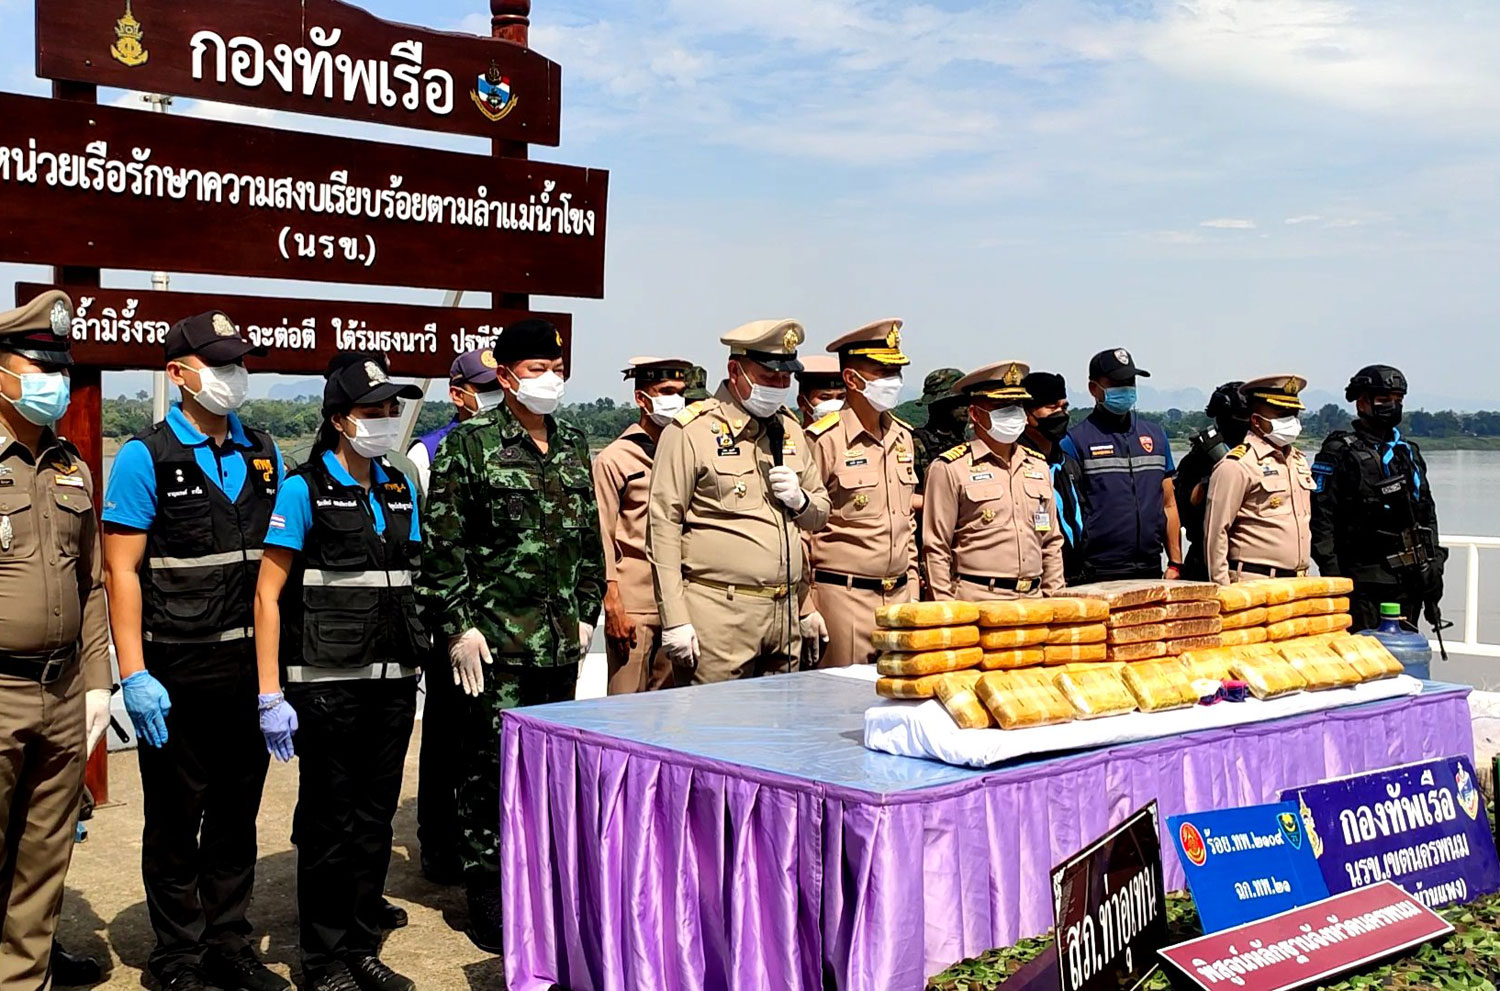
(1046, 388)
(211, 336)
(528, 339)
(1116, 365)
(359, 379)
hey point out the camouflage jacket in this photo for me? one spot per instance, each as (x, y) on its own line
(511, 540)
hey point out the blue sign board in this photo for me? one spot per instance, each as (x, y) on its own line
(1246, 864)
(1420, 825)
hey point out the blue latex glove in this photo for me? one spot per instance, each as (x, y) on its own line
(278, 721)
(148, 704)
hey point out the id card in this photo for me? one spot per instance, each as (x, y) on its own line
(1041, 521)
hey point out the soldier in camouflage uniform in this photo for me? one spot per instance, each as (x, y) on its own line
(947, 426)
(513, 575)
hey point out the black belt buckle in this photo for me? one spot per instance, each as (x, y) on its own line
(53, 668)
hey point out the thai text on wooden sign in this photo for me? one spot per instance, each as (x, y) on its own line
(310, 56)
(103, 187)
(125, 329)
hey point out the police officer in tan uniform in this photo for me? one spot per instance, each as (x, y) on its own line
(622, 485)
(54, 635)
(1259, 522)
(820, 387)
(988, 523)
(732, 485)
(866, 556)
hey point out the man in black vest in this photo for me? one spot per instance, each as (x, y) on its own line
(185, 516)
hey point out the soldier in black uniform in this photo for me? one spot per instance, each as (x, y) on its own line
(946, 427)
(1047, 424)
(1373, 516)
(1230, 412)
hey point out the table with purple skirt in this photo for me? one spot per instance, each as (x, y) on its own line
(740, 836)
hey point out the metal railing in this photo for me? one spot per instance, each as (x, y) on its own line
(1471, 644)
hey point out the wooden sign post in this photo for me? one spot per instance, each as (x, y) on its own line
(85, 187)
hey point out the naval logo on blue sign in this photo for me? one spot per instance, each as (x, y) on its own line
(1420, 825)
(1246, 864)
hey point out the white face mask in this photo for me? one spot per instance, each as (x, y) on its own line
(827, 406)
(1284, 431)
(883, 393)
(1007, 425)
(223, 389)
(374, 438)
(486, 401)
(664, 408)
(543, 394)
(764, 399)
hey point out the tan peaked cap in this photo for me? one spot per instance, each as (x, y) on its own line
(879, 341)
(819, 366)
(1002, 380)
(649, 368)
(1277, 390)
(772, 343)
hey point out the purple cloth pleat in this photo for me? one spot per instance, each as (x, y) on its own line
(629, 867)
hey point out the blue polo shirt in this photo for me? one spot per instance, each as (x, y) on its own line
(130, 497)
(292, 517)
(1125, 461)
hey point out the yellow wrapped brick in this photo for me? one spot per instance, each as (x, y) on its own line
(1143, 651)
(1015, 612)
(1067, 609)
(1095, 692)
(1245, 595)
(1241, 618)
(1138, 634)
(1368, 656)
(1318, 587)
(1123, 594)
(1325, 606)
(1192, 609)
(1077, 633)
(909, 688)
(1069, 653)
(907, 615)
(1212, 663)
(1020, 657)
(1186, 591)
(1159, 685)
(1320, 667)
(1184, 644)
(932, 638)
(1016, 636)
(1288, 629)
(1031, 676)
(1248, 635)
(1328, 624)
(1137, 616)
(1022, 702)
(956, 692)
(1267, 677)
(928, 662)
(1118, 667)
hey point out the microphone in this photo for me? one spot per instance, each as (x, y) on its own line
(776, 434)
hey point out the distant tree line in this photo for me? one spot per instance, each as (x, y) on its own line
(604, 419)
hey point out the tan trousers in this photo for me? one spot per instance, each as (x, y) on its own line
(850, 615)
(644, 667)
(41, 781)
(740, 636)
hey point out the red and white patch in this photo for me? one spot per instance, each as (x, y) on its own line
(1147, 444)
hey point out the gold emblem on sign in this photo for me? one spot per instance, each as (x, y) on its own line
(988, 516)
(1013, 375)
(128, 48)
(861, 501)
(493, 95)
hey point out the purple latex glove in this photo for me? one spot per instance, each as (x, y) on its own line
(278, 721)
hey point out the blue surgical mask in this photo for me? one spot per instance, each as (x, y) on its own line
(1119, 399)
(44, 396)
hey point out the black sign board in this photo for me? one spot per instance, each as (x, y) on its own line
(1111, 909)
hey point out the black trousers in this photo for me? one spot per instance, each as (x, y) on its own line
(351, 744)
(202, 793)
(437, 771)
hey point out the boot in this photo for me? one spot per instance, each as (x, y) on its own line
(485, 914)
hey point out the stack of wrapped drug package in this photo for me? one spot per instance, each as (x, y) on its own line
(1116, 647)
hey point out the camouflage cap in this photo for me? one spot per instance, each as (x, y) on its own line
(939, 385)
(697, 384)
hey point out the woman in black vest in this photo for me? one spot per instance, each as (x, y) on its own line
(335, 621)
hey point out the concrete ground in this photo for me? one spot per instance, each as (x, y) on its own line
(104, 912)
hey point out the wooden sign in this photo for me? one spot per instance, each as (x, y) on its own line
(308, 56)
(101, 187)
(123, 329)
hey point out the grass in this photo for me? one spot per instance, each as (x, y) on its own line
(1468, 961)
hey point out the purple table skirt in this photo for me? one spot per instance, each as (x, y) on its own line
(629, 866)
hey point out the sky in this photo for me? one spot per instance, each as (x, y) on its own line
(1228, 188)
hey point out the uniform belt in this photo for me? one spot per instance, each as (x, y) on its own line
(225, 636)
(1267, 570)
(759, 591)
(1008, 584)
(855, 581)
(41, 666)
(307, 674)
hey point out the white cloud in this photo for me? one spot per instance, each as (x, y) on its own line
(1228, 224)
(1305, 218)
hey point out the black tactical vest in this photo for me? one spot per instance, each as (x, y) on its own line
(348, 603)
(202, 550)
(1387, 502)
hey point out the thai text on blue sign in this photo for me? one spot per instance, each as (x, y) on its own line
(1420, 825)
(1246, 864)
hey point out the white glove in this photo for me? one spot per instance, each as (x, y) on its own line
(467, 653)
(681, 644)
(814, 626)
(585, 635)
(787, 489)
(95, 716)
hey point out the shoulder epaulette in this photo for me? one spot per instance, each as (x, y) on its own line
(897, 419)
(954, 453)
(1238, 452)
(822, 426)
(691, 413)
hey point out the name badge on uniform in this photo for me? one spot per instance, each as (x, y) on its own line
(856, 462)
(728, 452)
(983, 476)
(1103, 451)
(1035, 474)
(71, 481)
(903, 457)
(1269, 470)
(1041, 521)
(788, 447)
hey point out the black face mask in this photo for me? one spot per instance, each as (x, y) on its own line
(1054, 427)
(1384, 415)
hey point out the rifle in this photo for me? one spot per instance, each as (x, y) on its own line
(1413, 565)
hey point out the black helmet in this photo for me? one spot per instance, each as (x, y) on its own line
(1375, 378)
(1228, 402)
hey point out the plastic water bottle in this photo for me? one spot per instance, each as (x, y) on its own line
(1403, 640)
